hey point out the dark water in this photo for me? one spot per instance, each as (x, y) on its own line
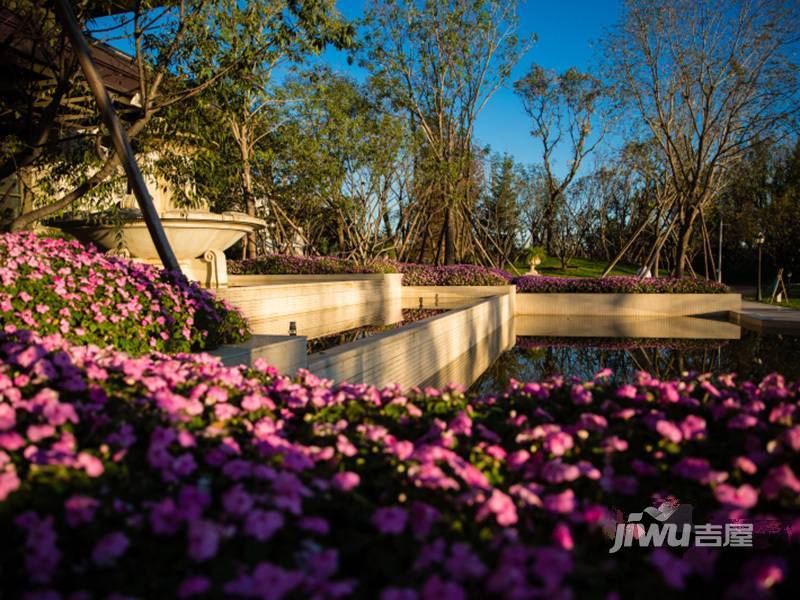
(410, 315)
(534, 358)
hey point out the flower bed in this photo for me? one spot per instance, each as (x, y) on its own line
(538, 284)
(413, 274)
(278, 264)
(176, 477)
(59, 286)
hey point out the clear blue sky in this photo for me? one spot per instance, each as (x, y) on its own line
(566, 31)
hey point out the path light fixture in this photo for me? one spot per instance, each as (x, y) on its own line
(759, 241)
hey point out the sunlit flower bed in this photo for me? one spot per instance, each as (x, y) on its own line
(279, 264)
(167, 477)
(620, 284)
(413, 274)
(58, 286)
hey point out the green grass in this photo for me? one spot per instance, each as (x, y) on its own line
(578, 267)
(794, 297)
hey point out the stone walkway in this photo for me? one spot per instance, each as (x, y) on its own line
(767, 318)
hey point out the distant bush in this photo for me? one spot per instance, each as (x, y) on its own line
(52, 285)
(617, 285)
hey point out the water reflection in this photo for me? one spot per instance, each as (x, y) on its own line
(665, 348)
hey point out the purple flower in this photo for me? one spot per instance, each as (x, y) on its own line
(203, 540)
(109, 548)
(262, 524)
(390, 520)
(193, 586)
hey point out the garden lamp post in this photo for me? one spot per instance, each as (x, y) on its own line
(759, 242)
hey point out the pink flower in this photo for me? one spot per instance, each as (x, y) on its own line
(778, 479)
(668, 430)
(345, 481)
(558, 443)
(562, 536)
(745, 496)
(580, 395)
(501, 506)
(7, 417)
(693, 427)
(109, 548)
(9, 483)
(390, 520)
(91, 464)
(792, 437)
(563, 502)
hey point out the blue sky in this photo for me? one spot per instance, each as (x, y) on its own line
(566, 31)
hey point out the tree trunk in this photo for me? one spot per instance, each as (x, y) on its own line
(684, 238)
(449, 236)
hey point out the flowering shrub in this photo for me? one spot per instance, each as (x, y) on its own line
(415, 274)
(177, 477)
(278, 264)
(58, 286)
(618, 285)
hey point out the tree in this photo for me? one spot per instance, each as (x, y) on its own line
(709, 79)
(566, 112)
(239, 110)
(440, 63)
(501, 206)
(179, 52)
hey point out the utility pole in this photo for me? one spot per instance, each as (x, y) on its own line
(119, 136)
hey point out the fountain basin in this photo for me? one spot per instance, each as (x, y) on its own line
(190, 233)
(198, 238)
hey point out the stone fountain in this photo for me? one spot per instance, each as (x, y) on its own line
(198, 236)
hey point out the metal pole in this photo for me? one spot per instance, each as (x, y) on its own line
(758, 297)
(719, 253)
(119, 136)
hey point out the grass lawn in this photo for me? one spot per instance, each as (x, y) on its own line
(794, 296)
(578, 267)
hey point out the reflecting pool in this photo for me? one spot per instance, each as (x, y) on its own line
(665, 348)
